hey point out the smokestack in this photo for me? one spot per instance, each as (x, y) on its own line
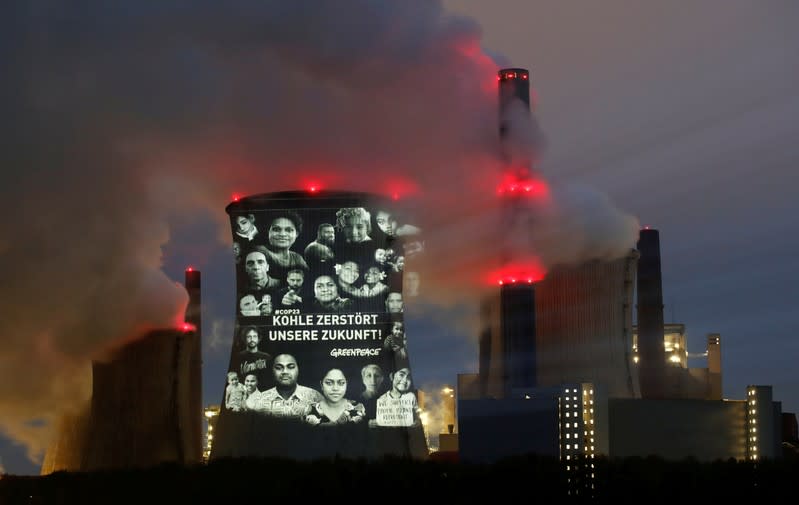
(193, 313)
(518, 338)
(652, 356)
(193, 339)
(514, 84)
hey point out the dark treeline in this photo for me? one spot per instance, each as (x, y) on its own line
(534, 479)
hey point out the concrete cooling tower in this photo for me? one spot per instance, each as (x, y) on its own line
(319, 364)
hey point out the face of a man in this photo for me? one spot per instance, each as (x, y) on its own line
(356, 230)
(286, 370)
(372, 377)
(282, 233)
(394, 302)
(294, 280)
(325, 289)
(334, 385)
(327, 235)
(252, 338)
(349, 272)
(402, 380)
(250, 382)
(256, 267)
(244, 224)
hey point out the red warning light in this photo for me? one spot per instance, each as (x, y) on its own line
(190, 269)
(236, 197)
(524, 76)
(313, 188)
(187, 327)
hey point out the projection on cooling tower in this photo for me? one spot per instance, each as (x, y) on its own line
(319, 363)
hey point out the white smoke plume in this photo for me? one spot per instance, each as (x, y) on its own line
(121, 117)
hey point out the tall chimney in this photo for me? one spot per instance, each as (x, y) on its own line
(651, 352)
(193, 339)
(514, 85)
(193, 313)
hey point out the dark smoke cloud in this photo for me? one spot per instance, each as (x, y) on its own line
(123, 117)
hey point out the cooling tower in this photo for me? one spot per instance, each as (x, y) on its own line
(319, 364)
(142, 409)
(584, 325)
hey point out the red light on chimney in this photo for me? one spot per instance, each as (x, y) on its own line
(236, 197)
(189, 269)
(187, 327)
(500, 282)
(524, 76)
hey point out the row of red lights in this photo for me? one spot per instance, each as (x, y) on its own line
(512, 75)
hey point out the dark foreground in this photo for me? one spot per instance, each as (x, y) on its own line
(531, 479)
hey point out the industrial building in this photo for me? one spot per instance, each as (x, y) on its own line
(564, 372)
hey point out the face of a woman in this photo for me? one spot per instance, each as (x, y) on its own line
(282, 233)
(349, 272)
(325, 289)
(250, 382)
(334, 385)
(244, 224)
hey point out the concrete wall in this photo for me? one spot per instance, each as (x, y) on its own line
(494, 429)
(677, 429)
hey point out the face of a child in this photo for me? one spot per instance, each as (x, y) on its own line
(356, 230)
(372, 275)
(233, 380)
(349, 272)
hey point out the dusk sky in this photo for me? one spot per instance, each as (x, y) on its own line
(128, 131)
